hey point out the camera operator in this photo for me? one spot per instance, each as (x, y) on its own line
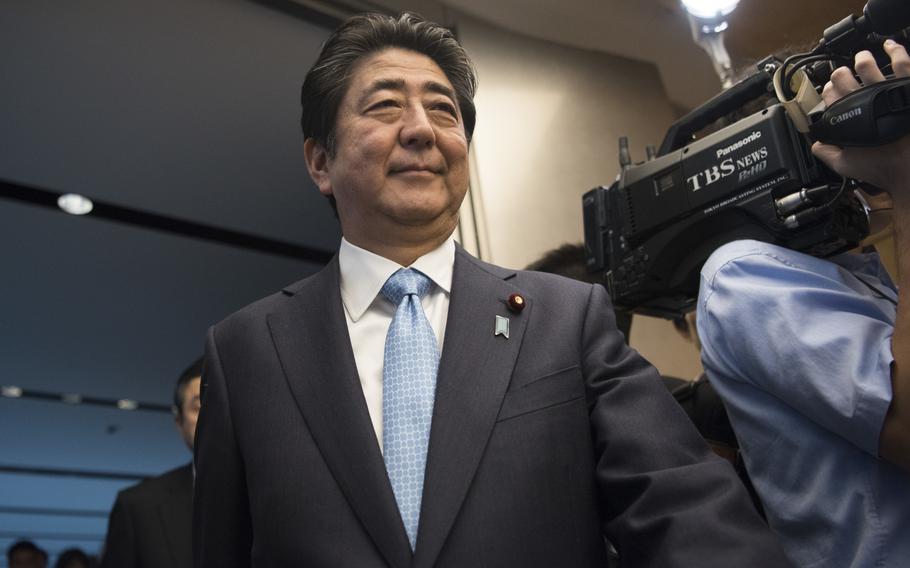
(812, 358)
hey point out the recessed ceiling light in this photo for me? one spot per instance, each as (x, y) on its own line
(127, 404)
(11, 392)
(709, 9)
(75, 204)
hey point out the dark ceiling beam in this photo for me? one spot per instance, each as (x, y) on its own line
(325, 13)
(34, 535)
(171, 225)
(46, 512)
(73, 399)
(68, 472)
(303, 12)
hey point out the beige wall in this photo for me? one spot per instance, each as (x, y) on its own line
(662, 345)
(549, 118)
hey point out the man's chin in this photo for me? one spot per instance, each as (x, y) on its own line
(420, 208)
(418, 217)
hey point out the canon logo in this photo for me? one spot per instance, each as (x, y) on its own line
(846, 116)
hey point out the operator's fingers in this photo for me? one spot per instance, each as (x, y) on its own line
(830, 155)
(900, 61)
(867, 68)
(842, 83)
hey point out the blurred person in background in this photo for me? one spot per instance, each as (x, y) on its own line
(569, 260)
(25, 554)
(151, 523)
(73, 558)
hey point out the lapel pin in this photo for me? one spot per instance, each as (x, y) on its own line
(502, 327)
(516, 303)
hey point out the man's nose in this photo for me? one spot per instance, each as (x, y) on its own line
(417, 130)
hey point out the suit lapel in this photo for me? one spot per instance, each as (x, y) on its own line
(474, 372)
(315, 350)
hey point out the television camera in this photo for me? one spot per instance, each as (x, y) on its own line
(650, 232)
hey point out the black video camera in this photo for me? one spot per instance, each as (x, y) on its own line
(651, 231)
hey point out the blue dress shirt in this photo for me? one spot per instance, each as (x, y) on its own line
(799, 348)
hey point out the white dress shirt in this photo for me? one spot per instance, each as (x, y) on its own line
(369, 314)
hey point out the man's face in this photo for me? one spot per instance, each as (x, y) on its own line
(400, 167)
(27, 559)
(189, 412)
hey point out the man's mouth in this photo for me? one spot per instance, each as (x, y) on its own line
(414, 168)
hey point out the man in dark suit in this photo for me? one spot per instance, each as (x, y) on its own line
(151, 522)
(333, 432)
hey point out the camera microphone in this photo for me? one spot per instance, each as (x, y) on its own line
(883, 17)
(886, 16)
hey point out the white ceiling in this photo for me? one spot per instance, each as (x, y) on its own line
(649, 30)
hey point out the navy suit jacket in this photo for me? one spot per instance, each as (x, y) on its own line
(151, 523)
(542, 443)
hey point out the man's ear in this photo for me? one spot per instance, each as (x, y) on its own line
(317, 161)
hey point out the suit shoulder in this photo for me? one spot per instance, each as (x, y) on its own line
(537, 284)
(176, 476)
(257, 310)
(554, 282)
(152, 487)
(254, 310)
(141, 492)
(543, 280)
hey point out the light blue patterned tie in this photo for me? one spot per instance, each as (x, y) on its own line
(408, 390)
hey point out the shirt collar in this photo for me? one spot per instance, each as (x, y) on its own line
(363, 273)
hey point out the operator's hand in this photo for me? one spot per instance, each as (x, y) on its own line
(887, 167)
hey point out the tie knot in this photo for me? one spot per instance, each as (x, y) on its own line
(404, 282)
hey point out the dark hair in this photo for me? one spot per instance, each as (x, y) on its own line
(569, 261)
(566, 260)
(73, 558)
(24, 546)
(327, 81)
(194, 371)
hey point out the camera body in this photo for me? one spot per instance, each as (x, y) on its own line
(650, 232)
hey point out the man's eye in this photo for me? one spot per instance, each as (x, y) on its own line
(446, 107)
(386, 103)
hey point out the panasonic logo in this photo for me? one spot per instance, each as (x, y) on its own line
(846, 116)
(739, 144)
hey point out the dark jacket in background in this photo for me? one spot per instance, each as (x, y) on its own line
(151, 523)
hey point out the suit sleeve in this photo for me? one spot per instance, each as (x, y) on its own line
(666, 499)
(222, 532)
(120, 543)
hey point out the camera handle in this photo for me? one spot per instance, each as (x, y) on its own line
(874, 115)
(682, 131)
